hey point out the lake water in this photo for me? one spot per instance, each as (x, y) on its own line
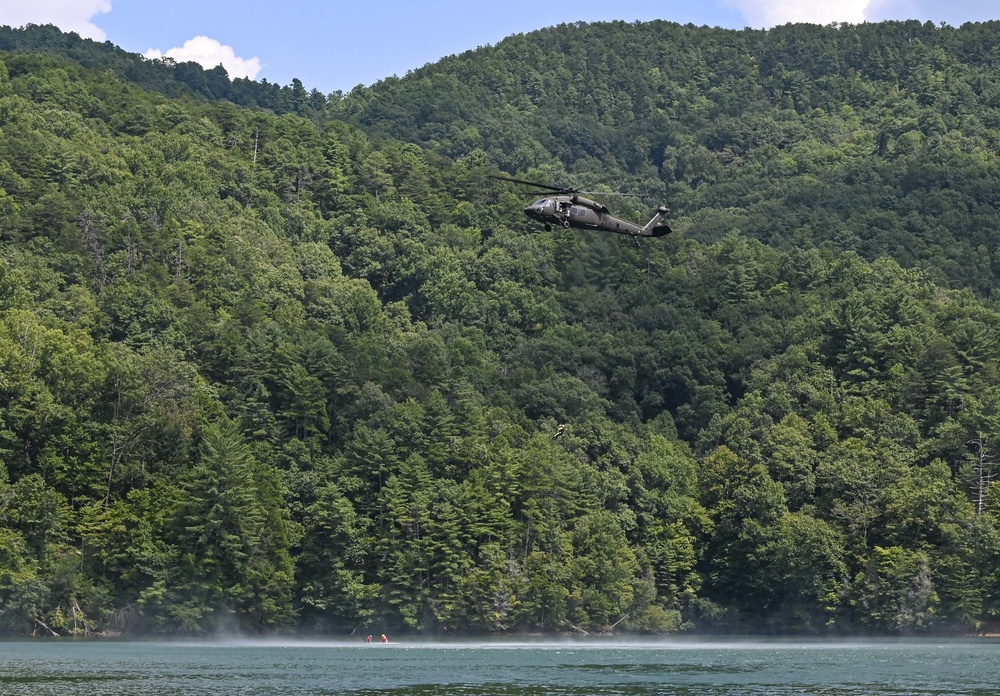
(632, 668)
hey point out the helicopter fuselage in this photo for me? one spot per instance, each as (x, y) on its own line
(586, 214)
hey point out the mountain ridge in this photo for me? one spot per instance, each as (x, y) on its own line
(285, 374)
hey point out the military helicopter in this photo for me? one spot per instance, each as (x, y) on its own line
(567, 208)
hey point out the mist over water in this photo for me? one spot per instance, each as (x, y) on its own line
(510, 668)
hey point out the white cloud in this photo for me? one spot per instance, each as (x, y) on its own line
(769, 13)
(68, 15)
(208, 53)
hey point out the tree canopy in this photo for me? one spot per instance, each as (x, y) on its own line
(309, 368)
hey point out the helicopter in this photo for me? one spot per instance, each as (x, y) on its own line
(567, 208)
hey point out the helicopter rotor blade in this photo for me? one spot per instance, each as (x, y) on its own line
(546, 187)
(573, 192)
(608, 193)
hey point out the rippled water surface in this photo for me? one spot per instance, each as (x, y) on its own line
(508, 669)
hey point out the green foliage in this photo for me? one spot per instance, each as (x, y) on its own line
(230, 543)
(897, 592)
(306, 367)
(878, 137)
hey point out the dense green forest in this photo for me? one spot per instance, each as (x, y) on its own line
(303, 366)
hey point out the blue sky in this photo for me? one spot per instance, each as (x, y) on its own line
(332, 45)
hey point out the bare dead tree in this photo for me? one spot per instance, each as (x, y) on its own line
(982, 466)
(93, 236)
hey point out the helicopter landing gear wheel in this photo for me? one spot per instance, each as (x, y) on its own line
(565, 223)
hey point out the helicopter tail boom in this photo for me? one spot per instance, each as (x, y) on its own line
(657, 227)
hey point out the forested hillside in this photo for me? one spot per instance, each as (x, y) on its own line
(276, 373)
(879, 138)
(163, 76)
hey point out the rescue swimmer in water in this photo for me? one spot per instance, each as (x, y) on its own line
(567, 208)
